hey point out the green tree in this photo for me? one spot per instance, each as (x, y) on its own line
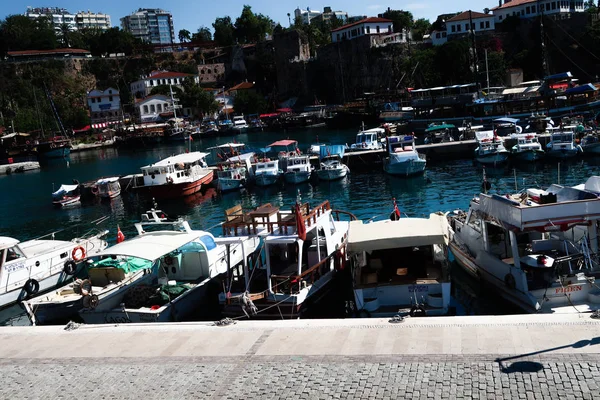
(203, 35)
(111, 41)
(401, 19)
(184, 36)
(197, 98)
(420, 28)
(18, 32)
(249, 102)
(252, 28)
(224, 31)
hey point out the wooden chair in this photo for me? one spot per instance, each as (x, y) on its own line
(234, 219)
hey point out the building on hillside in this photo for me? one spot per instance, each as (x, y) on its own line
(436, 38)
(151, 25)
(366, 26)
(466, 21)
(242, 87)
(143, 87)
(104, 105)
(305, 15)
(151, 108)
(328, 14)
(211, 73)
(60, 16)
(558, 9)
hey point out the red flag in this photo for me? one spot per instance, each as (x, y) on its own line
(300, 226)
(396, 210)
(191, 138)
(120, 236)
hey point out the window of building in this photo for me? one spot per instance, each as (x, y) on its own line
(487, 24)
(110, 92)
(159, 107)
(453, 28)
(389, 28)
(554, 5)
(458, 28)
(378, 29)
(527, 10)
(145, 109)
(466, 27)
(338, 37)
(110, 98)
(152, 108)
(481, 25)
(368, 30)
(500, 17)
(437, 35)
(363, 30)
(533, 9)
(93, 100)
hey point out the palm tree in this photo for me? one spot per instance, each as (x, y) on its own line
(65, 33)
(184, 35)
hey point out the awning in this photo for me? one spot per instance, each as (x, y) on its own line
(406, 232)
(63, 189)
(284, 143)
(104, 124)
(588, 87)
(439, 127)
(151, 246)
(506, 120)
(84, 129)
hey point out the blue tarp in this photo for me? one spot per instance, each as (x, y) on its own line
(588, 87)
(264, 149)
(331, 150)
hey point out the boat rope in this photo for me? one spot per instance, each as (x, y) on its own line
(71, 326)
(567, 296)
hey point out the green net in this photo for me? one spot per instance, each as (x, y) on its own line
(127, 264)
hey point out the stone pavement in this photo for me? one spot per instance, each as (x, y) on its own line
(510, 357)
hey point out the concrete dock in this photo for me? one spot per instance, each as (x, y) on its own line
(505, 357)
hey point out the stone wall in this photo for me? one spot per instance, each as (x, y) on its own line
(292, 54)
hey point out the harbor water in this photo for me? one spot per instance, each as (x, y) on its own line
(28, 212)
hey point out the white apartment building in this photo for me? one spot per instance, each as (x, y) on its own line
(60, 16)
(367, 26)
(306, 15)
(143, 87)
(479, 22)
(104, 105)
(533, 8)
(90, 20)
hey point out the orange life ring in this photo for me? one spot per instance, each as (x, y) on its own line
(78, 253)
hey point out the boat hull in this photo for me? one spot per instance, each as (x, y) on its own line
(266, 179)
(59, 152)
(528, 155)
(562, 154)
(405, 168)
(592, 148)
(16, 295)
(297, 177)
(492, 159)
(226, 185)
(176, 190)
(332, 174)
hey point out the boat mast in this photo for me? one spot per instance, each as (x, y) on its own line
(55, 112)
(473, 48)
(545, 68)
(37, 109)
(174, 107)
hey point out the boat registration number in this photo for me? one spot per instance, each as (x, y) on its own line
(418, 288)
(14, 267)
(568, 289)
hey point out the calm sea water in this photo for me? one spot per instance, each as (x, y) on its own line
(27, 211)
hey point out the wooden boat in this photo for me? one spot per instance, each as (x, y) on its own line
(403, 158)
(67, 196)
(107, 188)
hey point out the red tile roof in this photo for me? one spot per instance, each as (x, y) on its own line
(513, 3)
(465, 16)
(167, 74)
(363, 21)
(243, 86)
(42, 52)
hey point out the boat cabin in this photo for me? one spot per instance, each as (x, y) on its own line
(400, 144)
(176, 169)
(369, 139)
(562, 137)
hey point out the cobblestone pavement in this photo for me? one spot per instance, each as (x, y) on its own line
(554, 376)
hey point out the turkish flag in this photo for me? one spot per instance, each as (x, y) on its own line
(300, 226)
(120, 236)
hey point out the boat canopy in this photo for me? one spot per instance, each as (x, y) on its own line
(242, 157)
(14, 134)
(284, 143)
(562, 75)
(152, 245)
(185, 158)
(443, 88)
(65, 189)
(332, 150)
(107, 180)
(484, 135)
(227, 146)
(406, 232)
(506, 120)
(588, 87)
(6, 242)
(439, 127)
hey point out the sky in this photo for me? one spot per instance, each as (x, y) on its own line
(191, 14)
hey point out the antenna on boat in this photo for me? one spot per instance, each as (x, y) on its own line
(485, 185)
(515, 175)
(558, 173)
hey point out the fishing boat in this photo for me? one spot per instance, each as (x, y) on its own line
(67, 196)
(298, 169)
(225, 126)
(368, 139)
(186, 265)
(266, 172)
(536, 248)
(239, 124)
(235, 173)
(399, 266)
(402, 158)
(507, 126)
(439, 133)
(527, 148)
(107, 188)
(562, 145)
(302, 247)
(176, 176)
(55, 147)
(209, 128)
(490, 149)
(590, 143)
(331, 167)
(35, 266)
(223, 152)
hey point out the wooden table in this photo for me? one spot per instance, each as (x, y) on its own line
(264, 213)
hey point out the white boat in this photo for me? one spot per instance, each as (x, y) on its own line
(402, 158)
(239, 124)
(331, 166)
(399, 266)
(107, 188)
(36, 266)
(225, 151)
(298, 169)
(562, 145)
(176, 176)
(527, 148)
(295, 269)
(369, 139)
(536, 249)
(591, 143)
(266, 172)
(507, 126)
(490, 149)
(235, 172)
(67, 196)
(184, 263)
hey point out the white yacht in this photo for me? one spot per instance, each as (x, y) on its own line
(302, 249)
(36, 266)
(490, 149)
(331, 165)
(402, 158)
(399, 266)
(538, 249)
(527, 148)
(239, 124)
(562, 145)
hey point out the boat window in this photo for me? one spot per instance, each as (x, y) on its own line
(193, 247)
(208, 242)
(13, 253)
(260, 166)
(475, 221)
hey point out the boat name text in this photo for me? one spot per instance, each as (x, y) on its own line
(568, 289)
